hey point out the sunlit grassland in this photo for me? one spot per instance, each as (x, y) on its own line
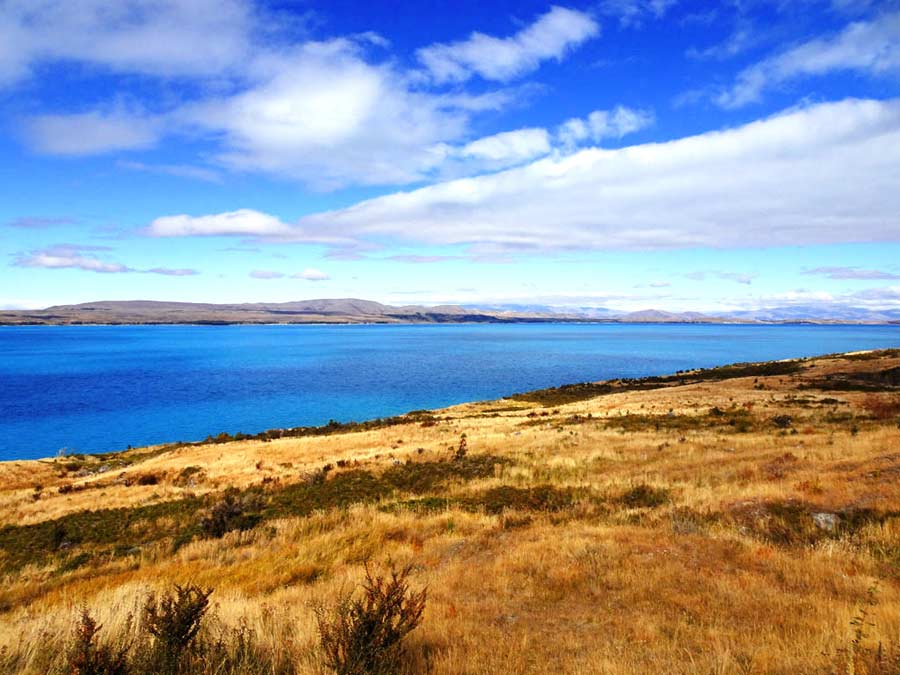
(719, 522)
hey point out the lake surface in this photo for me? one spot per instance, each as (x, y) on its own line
(102, 388)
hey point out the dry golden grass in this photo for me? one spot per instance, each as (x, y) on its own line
(728, 575)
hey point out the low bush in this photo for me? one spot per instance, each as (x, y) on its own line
(364, 635)
(645, 496)
(233, 511)
(174, 621)
(87, 657)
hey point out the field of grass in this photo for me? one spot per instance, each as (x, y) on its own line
(735, 520)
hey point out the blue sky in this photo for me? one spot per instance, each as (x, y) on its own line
(620, 153)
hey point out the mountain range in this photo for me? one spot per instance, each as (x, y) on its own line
(352, 310)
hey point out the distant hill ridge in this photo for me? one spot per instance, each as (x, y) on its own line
(355, 310)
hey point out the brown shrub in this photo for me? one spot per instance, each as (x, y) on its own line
(364, 636)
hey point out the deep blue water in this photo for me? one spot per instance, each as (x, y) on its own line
(102, 388)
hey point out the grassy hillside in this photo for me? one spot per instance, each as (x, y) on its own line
(735, 520)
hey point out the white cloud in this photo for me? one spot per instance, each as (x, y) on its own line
(510, 145)
(825, 173)
(266, 274)
(170, 272)
(240, 222)
(88, 259)
(158, 37)
(853, 273)
(91, 133)
(871, 47)
(634, 12)
(40, 222)
(70, 256)
(551, 36)
(737, 277)
(602, 124)
(179, 170)
(312, 274)
(323, 115)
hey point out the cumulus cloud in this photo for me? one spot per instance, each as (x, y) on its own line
(602, 124)
(551, 36)
(157, 37)
(847, 273)
(92, 132)
(324, 115)
(70, 256)
(869, 47)
(312, 274)
(327, 113)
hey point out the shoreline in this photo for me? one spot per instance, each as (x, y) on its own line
(517, 321)
(568, 392)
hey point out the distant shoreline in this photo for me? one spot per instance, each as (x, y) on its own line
(339, 311)
(561, 321)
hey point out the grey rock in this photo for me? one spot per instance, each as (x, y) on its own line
(826, 521)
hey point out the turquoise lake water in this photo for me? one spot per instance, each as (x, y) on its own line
(102, 388)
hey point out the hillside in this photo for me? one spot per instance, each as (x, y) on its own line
(353, 310)
(733, 520)
(348, 310)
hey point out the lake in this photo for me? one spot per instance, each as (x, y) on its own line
(102, 388)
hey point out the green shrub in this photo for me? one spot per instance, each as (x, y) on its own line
(364, 636)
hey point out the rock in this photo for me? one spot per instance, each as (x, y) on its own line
(826, 521)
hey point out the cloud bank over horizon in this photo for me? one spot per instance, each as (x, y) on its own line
(634, 151)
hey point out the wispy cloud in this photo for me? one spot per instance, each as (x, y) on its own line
(635, 12)
(92, 132)
(174, 38)
(422, 259)
(39, 223)
(737, 277)
(309, 274)
(266, 274)
(70, 256)
(868, 47)
(88, 259)
(848, 273)
(178, 170)
(551, 36)
(170, 272)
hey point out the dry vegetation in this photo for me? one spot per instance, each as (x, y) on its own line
(741, 520)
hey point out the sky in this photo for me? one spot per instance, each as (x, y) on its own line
(620, 154)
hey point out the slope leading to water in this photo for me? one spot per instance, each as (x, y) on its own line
(733, 520)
